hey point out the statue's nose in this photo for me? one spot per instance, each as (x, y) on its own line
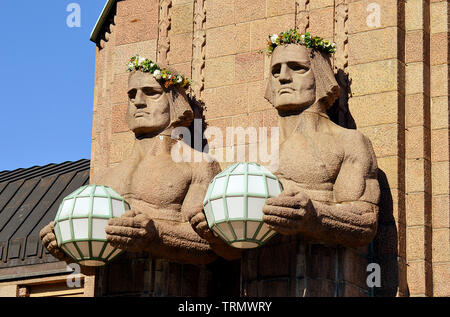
(139, 101)
(285, 74)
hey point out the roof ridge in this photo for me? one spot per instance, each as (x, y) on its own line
(36, 171)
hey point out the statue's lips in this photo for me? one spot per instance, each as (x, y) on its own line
(285, 90)
(140, 114)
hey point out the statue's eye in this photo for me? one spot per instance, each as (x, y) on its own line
(132, 94)
(276, 69)
(152, 92)
(297, 67)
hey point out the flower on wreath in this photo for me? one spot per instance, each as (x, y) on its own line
(163, 75)
(293, 37)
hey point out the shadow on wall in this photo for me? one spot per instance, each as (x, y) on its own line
(385, 245)
(339, 113)
(384, 248)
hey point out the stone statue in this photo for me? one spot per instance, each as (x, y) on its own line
(329, 173)
(165, 197)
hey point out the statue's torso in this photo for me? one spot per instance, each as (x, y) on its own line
(311, 163)
(155, 185)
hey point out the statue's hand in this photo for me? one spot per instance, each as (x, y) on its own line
(290, 213)
(131, 232)
(197, 219)
(48, 239)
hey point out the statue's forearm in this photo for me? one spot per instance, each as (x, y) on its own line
(180, 243)
(351, 224)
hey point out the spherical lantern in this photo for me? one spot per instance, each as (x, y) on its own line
(234, 201)
(81, 220)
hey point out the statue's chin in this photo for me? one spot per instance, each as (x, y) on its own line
(148, 131)
(289, 108)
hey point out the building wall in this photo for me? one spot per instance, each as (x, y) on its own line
(396, 73)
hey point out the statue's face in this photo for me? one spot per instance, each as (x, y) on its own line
(292, 79)
(148, 105)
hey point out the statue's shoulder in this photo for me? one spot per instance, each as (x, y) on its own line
(355, 143)
(203, 166)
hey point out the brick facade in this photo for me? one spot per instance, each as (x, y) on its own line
(398, 71)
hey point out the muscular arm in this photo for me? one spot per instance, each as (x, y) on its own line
(351, 220)
(192, 209)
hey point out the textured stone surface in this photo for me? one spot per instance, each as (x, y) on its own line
(440, 145)
(441, 276)
(220, 12)
(439, 17)
(319, 22)
(182, 18)
(220, 71)
(439, 80)
(226, 101)
(441, 214)
(280, 7)
(374, 77)
(441, 247)
(439, 113)
(376, 109)
(249, 67)
(226, 40)
(384, 139)
(439, 48)
(180, 49)
(250, 10)
(441, 184)
(372, 46)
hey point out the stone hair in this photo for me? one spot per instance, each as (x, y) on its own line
(327, 88)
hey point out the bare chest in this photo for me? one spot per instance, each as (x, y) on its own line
(312, 161)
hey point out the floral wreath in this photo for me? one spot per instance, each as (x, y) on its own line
(162, 75)
(293, 37)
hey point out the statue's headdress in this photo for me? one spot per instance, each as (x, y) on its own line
(165, 76)
(293, 37)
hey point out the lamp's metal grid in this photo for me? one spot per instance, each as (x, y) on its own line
(107, 252)
(252, 241)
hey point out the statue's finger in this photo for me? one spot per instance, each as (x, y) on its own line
(284, 212)
(47, 229)
(118, 241)
(124, 222)
(200, 217)
(280, 221)
(128, 232)
(52, 245)
(288, 192)
(282, 230)
(48, 238)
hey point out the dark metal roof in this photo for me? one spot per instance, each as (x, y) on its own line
(29, 200)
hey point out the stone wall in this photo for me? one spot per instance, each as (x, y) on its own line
(395, 70)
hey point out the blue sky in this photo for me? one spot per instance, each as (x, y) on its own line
(46, 82)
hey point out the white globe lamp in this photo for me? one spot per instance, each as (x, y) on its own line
(81, 220)
(234, 201)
